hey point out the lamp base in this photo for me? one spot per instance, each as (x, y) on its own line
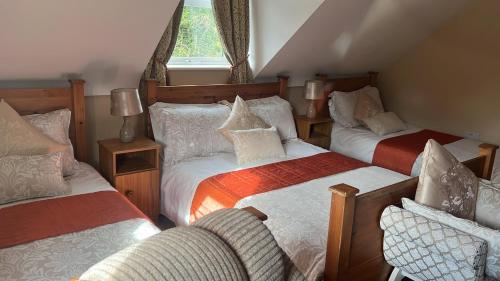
(127, 132)
(311, 110)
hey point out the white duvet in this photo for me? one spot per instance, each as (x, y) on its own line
(360, 143)
(298, 215)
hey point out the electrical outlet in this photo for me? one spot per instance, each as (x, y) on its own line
(473, 135)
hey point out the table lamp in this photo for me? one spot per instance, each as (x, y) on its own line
(314, 91)
(126, 102)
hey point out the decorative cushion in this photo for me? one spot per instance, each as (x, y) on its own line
(342, 105)
(25, 177)
(445, 183)
(55, 125)
(257, 144)
(366, 107)
(488, 205)
(189, 131)
(384, 123)
(18, 137)
(492, 237)
(241, 119)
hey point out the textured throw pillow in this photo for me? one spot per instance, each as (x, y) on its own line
(366, 107)
(445, 183)
(55, 125)
(25, 177)
(241, 119)
(189, 131)
(488, 205)
(18, 137)
(384, 123)
(492, 237)
(257, 144)
(342, 105)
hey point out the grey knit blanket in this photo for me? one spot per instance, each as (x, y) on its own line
(229, 244)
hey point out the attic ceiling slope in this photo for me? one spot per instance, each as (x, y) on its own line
(346, 37)
(107, 43)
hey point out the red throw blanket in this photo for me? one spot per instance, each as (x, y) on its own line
(399, 153)
(225, 190)
(53, 217)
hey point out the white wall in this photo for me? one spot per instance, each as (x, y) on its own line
(272, 24)
(107, 43)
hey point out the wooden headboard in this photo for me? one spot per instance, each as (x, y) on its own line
(42, 100)
(343, 84)
(197, 94)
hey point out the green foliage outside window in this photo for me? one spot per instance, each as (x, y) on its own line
(198, 36)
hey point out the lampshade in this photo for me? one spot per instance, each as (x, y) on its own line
(314, 90)
(125, 102)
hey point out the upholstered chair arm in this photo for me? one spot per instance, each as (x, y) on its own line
(463, 249)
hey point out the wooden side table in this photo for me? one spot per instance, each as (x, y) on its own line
(133, 169)
(315, 131)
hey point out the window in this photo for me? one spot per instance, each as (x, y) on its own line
(198, 42)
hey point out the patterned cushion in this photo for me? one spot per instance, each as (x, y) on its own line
(366, 107)
(488, 205)
(55, 125)
(257, 144)
(25, 177)
(430, 250)
(241, 119)
(492, 237)
(384, 123)
(18, 137)
(445, 183)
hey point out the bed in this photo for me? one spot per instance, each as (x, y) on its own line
(328, 226)
(390, 151)
(47, 238)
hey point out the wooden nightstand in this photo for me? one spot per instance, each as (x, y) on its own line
(315, 131)
(133, 169)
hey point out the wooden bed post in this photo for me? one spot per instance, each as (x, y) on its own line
(488, 151)
(373, 78)
(78, 116)
(321, 76)
(283, 86)
(340, 230)
(151, 98)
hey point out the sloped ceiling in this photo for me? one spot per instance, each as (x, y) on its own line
(345, 36)
(107, 43)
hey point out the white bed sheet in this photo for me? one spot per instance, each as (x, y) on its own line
(360, 143)
(298, 215)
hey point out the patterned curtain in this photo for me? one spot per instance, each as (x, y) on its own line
(157, 66)
(232, 19)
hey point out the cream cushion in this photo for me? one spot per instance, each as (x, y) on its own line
(24, 177)
(55, 125)
(445, 183)
(384, 123)
(241, 118)
(492, 237)
(18, 137)
(256, 144)
(488, 204)
(366, 107)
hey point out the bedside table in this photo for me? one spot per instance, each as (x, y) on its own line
(133, 169)
(315, 131)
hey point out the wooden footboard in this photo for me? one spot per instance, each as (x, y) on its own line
(354, 246)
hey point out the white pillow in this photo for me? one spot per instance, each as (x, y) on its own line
(55, 125)
(384, 123)
(257, 144)
(276, 112)
(342, 105)
(492, 237)
(189, 131)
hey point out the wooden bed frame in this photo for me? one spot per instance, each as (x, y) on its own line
(354, 245)
(42, 100)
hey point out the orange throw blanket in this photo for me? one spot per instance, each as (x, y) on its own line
(225, 190)
(37, 220)
(399, 153)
